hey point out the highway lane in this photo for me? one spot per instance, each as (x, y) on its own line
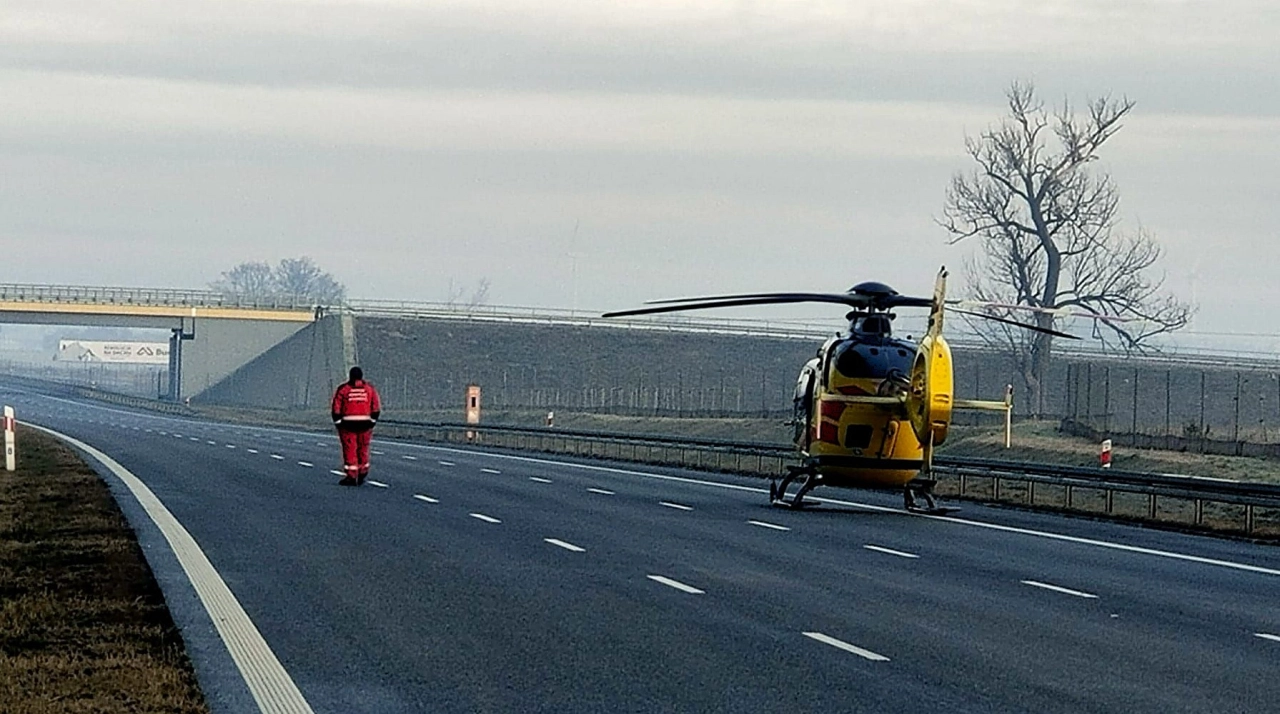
(379, 601)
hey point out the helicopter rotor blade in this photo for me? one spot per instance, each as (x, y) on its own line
(851, 299)
(682, 304)
(1023, 325)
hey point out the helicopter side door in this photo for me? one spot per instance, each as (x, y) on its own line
(802, 403)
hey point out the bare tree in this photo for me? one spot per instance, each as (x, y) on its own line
(253, 282)
(480, 295)
(301, 281)
(296, 281)
(1048, 232)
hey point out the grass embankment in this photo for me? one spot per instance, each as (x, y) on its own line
(83, 625)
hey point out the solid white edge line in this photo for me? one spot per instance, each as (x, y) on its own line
(270, 684)
(428, 499)
(890, 551)
(676, 506)
(1265, 636)
(677, 585)
(1057, 589)
(1061, 537)
(483, 517)
(566, 546)
(379, 484)
(772, 526)
(838, 644)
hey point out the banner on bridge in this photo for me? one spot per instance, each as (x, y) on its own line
(117, 352)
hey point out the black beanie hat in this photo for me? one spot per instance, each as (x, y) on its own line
(356, 374)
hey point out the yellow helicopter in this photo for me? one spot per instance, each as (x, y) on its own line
(869, 408)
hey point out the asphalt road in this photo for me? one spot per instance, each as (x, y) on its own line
(461, 580)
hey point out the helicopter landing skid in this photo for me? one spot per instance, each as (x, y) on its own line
(778, 492)
(922, 488)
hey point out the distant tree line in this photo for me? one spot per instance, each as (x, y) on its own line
(297, 281)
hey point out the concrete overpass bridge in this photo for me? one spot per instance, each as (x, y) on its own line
(211, 334)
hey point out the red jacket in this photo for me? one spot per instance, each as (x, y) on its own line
(356, 406)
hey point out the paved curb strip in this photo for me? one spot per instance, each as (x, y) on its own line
(271, 686)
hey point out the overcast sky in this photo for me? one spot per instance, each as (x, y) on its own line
(699, 145)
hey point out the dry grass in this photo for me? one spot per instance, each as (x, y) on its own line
(83, 625)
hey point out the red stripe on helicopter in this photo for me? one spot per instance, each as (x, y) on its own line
(829, 414)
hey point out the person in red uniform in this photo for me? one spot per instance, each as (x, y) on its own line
(356, 408)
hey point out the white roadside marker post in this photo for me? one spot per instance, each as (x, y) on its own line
(10, 449)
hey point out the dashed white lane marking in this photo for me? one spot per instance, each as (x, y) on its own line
(483, 517)
(379, 484)
(890, 551)
(539, 480)
(336, 472)
(407, 457)
(321, 443)
(252, 451)
(566, 546)
(231, 446)
(490, 471)
(601, 491)
(193, 438)
(375, 452)
(306, 464)
(277, 457)
(838, 644)
(676, 506)
(165, 433)
(1048, 535)
(1056, 589)
(677, 585)
(151, 431)
(428, 499)
(1265, 636)
(446, 463)
(773, 526)
(211, 443)
(268, 681)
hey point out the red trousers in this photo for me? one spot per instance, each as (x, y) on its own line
(355, 451)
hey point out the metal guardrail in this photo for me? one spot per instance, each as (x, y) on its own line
(1259, 502)
(772, 459)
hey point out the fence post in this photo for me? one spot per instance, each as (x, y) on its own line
(1088, 393)
(1133, 431)
(1168, 390)
(1235, 427)
(1106, 399)
(1202, 434)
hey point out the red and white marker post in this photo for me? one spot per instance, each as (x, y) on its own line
(1105, 456)
(10, 447)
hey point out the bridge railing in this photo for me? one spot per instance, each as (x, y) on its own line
(161, 297)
